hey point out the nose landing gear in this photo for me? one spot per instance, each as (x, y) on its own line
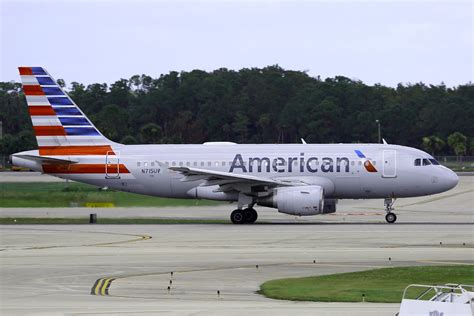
(390, 217)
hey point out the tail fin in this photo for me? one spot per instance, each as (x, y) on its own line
(61, 128)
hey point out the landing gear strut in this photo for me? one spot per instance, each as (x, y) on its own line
(390, 217)
(245, 216)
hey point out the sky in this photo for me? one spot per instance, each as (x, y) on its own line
(386, 42)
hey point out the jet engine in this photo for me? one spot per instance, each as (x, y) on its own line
(300, 200)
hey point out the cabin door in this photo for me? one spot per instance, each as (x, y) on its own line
(112, 161)
(389, 164)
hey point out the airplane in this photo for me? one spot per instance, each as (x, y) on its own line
(296, 179)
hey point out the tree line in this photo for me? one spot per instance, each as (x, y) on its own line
(259, 105)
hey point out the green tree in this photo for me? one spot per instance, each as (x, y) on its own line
(457, 142)
(240, 126)
(433, 144)
(112, 122)
(128, 140)
(151, 133)
(258, 105)
(120, 93)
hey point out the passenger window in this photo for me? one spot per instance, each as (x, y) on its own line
(152, 164)
(145, 164)
(426, 162)
(187, 163)
(181, 163)
(209, 163)
(417, 162)
(202, 163)
(217, 164)
(138, 164)
(173, 163)
(223, 164)
(195, 164)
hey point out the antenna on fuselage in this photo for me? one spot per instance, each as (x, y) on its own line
(303, 141)
(384, 141)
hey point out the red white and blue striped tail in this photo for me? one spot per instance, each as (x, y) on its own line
(61, 128)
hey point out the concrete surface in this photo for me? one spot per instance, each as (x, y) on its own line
(454, 206)
(27, 176)
(51, 269)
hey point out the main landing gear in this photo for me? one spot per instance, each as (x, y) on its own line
(390, 217)
(245, 216)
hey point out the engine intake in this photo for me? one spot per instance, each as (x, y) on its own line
(300, 200)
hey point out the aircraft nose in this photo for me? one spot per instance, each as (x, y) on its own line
(451, 179)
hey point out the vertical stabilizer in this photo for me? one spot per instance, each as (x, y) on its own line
(61, 128)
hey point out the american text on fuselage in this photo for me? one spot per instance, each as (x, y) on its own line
(281, 164)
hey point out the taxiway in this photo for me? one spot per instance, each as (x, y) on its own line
(48, 270)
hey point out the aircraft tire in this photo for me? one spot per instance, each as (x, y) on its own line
(391, 218)
(237, 217)
(250, 215)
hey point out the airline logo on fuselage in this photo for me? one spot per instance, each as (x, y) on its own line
(367, 164)
(290, 164)
(295, 164)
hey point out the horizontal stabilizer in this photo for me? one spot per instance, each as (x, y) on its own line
(47, 160)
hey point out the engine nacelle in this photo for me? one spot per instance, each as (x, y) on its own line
(300, 200)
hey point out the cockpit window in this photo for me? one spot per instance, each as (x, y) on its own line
(417, 162)
(426, 162)
(434, 162)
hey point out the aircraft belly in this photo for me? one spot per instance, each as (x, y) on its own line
(374, 186)
(347, 187)
(179, 188)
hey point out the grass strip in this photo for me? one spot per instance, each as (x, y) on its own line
(105, 221)
(379, 285)
(62, 194)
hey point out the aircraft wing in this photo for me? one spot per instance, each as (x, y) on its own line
(228, 180)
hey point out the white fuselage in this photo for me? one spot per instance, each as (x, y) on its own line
(336, 167)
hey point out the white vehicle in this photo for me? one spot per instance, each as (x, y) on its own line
(298, 179)
(439, 300)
